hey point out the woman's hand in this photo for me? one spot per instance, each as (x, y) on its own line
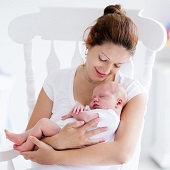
(40, 155)
(75, 135)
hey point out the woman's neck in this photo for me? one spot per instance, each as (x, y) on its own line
(82, 87)
(87, 77)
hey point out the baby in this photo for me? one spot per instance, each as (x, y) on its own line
(108, 99)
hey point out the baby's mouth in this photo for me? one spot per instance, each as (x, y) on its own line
(95, 106)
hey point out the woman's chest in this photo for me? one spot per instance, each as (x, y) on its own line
(83, 94)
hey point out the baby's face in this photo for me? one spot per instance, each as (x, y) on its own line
(102, 98)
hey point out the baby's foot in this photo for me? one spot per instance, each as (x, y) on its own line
(24, 147)
(16, 138)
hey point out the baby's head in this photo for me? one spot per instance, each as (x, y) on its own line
(109, 95)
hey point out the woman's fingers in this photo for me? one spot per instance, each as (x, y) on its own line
(96, 131)
(91, 123)
(37, 142)
(94, 141)
(79, 134)
(31, 154)
(84, 127)
(75, 124)
(39, 155)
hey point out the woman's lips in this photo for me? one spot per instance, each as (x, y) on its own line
(100, 74)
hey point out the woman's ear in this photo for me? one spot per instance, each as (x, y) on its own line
(88, 41)
(119, 103)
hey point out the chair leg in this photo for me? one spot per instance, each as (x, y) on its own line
(10, 165)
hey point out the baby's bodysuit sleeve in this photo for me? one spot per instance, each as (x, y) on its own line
(110, 120)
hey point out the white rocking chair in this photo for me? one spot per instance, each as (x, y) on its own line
(60, 24)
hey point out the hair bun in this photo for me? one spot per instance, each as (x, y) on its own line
(112, 9)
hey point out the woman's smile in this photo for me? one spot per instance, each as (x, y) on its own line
(100, 74)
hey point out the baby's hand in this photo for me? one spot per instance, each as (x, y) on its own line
(64, 117)
(78, 108)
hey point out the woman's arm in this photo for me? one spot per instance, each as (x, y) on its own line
(42, 109)
(116, 152)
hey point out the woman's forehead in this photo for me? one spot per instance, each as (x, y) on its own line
(115, 53)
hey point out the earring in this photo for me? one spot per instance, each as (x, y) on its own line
(86, 51)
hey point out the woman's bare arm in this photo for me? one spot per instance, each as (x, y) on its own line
(42, 109)
(116, 152)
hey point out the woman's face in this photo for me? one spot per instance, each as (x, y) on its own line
(105, 60)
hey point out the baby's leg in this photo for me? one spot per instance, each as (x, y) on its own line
(18, 139)
(44, 127)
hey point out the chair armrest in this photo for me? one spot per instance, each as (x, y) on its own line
(8, 153)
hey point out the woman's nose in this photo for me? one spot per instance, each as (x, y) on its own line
(108, 68)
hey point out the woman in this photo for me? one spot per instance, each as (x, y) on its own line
(110, 43)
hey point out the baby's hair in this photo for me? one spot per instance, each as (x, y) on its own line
(117, 90)
(120, 92)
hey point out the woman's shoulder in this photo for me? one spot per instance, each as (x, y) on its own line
(132, 86)
(61, 74)
(58, 80)
(123, 79)
(62, 71)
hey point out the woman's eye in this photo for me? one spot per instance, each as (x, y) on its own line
(103, 58)
(117, 66)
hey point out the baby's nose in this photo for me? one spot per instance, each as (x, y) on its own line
(96, 99)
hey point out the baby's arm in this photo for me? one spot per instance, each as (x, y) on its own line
(78, 108)
(78, 112)
(86, 116)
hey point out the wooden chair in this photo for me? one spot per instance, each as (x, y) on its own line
(67, 25)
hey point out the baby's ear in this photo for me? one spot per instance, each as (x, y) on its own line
(119, 103)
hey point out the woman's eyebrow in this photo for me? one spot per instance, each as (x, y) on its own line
(105, 55)
(109, 58)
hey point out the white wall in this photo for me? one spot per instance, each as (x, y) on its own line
(11, 54)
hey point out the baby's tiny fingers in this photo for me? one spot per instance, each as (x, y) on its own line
(82, 109)
(74, 110)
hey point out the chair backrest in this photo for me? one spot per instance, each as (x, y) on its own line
(67, 25)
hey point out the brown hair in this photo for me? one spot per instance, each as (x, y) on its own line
(115, 27)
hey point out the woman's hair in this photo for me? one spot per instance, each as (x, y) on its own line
(115, 27)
